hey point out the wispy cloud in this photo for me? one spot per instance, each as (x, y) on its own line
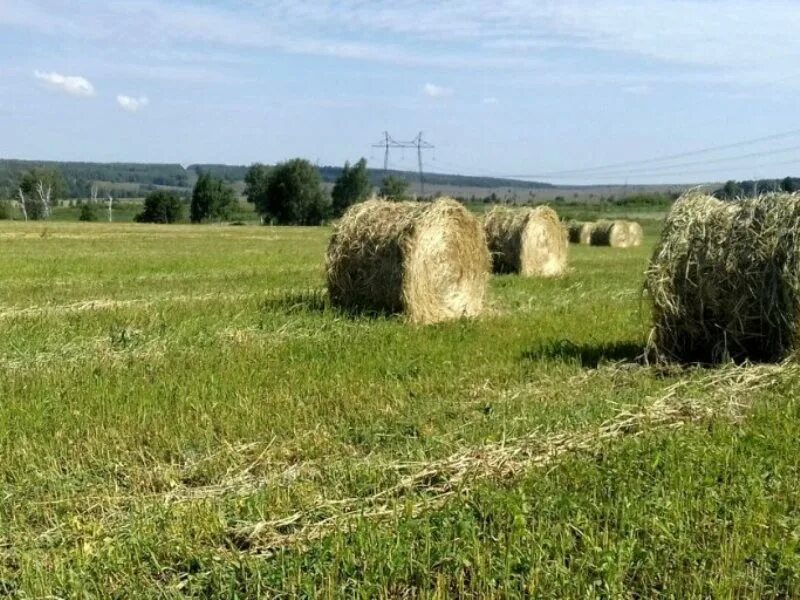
(436, 91)
(638, 90)
(678, 37)
(132, 104)
(490, 100)
(71, 84)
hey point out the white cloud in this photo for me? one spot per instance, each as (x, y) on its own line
(132, 104)
(489, 100)
(436, 91)
(71, 84)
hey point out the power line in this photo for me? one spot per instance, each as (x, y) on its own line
(667, 168)
(652, 174)
(668, 157)
(675, 169)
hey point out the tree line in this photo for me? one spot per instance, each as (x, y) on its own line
(133, 180)
(740, 189)
(290, 193)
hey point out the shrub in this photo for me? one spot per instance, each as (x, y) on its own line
(88, 212)
(161, 207)
(394, 188)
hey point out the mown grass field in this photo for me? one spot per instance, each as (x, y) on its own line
(182, 414)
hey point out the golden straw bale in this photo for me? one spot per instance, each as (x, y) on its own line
(428, 260)
(724, 280)
(529, 241)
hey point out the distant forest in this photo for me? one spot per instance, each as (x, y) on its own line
(137, 179)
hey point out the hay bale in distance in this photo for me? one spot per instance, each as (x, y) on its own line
(580, 232)
(635, 233)
(724, 280)
(616, 234)
(528, 241)
(428, 260)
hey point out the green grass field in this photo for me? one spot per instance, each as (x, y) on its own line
(183, 415)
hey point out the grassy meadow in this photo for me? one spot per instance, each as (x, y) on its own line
(182, 414)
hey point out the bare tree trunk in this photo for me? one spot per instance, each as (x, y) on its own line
(110, 208)
(94, 193)
(44, 197)
(22, 204)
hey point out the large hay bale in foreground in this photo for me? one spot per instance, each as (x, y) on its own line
(617, 234)
(528, 241)
(427, 260)
(580, 232)
(725, 280)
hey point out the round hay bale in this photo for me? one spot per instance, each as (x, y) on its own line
(580, 232)
(529, 241)
(427, 260)
(616, 234)
(724, 280)
(635, 234)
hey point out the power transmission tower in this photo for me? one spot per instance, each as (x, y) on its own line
(420, 145)
(417, 142)
(387, 143)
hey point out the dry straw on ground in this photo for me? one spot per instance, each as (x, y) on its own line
(427, 260)
(617, 234)
(529, 241)
(724, 394)
(725, 280)
(580, 232)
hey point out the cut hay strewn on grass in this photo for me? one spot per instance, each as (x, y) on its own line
(617, 234)
(580, 232)
(433, 484)
(427, 260)
(725, 280)
(529, 241)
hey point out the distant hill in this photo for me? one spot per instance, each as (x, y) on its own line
(136, 179)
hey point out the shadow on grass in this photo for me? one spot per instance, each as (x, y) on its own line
(314, 301)
(588, 355)
(296, 301)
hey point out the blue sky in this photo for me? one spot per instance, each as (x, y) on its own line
(505, 87)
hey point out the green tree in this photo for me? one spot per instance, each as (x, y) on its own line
(161, 207)
(88, 212)
(5, 210)
(790, 185)
(212, 200)
(394, 188)
(730, 190)
(351, 187)
(293, 195)
(256, 182)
